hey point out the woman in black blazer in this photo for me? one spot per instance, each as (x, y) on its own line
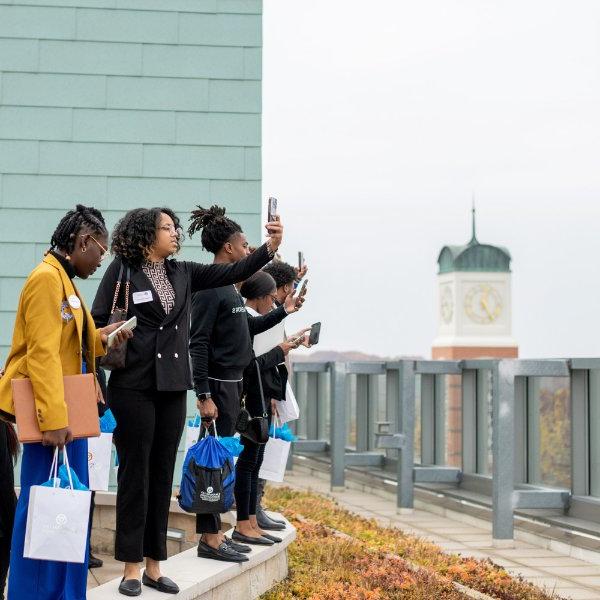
(9, 447)
(148, 396)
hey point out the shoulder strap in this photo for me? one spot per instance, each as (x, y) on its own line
(260, 386)
(118, 289)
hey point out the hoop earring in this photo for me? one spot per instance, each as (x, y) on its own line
(84, 249)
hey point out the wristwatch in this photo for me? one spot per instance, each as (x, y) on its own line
(204, 396)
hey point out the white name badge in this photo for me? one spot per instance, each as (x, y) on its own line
(141, 297)
(74, 301)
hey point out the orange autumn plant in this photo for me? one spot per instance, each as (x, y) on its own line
(324, 566)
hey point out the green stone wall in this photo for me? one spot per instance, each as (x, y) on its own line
(118, 104)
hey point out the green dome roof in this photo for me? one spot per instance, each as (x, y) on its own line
(474, 257)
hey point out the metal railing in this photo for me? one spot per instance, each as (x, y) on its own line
(524, 432)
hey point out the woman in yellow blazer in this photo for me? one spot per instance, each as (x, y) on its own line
(54, 336)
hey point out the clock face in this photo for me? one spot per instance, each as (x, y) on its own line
(483, 303)
(446, 304)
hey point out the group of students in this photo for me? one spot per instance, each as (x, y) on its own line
(184, 310)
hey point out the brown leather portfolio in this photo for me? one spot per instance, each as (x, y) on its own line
(81, 399)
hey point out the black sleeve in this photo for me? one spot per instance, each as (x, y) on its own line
(265, 322)
(205, 307)
(204, 277)
(270, 359)
(105, 294)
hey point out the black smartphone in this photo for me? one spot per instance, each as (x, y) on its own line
(315, 332)
(272, 211)
(300, 260)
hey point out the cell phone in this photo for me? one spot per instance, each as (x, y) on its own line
(302, 290)
(315, 332)
(130, 325)
(272, 212)
(300, 260)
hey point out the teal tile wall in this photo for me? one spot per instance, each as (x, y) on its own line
(118, 104)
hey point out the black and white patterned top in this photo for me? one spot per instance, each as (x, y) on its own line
(157, 274)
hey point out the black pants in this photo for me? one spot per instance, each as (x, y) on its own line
(149, 428)
(246, 478)
(227, 396)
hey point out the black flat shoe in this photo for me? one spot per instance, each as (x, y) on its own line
(223, 552)
(265, 522)
(260, 512)
(94, 562)
(272, 538)
(163, 584)
(246, 539)
(237, 547)
(130, 587)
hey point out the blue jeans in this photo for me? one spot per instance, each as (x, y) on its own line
(31, 579)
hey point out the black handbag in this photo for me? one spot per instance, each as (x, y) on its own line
(255, 429)
(116, 356)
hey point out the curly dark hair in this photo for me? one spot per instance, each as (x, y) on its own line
(217, 229)
(281, 272)
(135, 234)
(72, 223)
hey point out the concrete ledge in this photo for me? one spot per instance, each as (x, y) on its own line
(204, 579)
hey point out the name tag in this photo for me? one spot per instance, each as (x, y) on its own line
(141, 297)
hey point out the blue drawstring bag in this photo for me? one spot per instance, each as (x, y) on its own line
(208, 478)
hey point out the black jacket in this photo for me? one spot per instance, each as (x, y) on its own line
(220, 335)
(8, 500)
(158, 354)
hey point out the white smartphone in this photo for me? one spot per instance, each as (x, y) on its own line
(130, 325)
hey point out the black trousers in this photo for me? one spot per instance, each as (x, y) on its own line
(246, 478)
(149, 428)
(227, 396)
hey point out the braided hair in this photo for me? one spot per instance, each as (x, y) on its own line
(217, 229)
(71, 224)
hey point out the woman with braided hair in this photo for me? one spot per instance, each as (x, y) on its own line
(221, 348)
(148, 395)
(54, 336)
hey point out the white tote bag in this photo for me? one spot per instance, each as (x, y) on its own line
(57, 520)
(192, 435)
(288, 409)
(275, 459)
(99, 455)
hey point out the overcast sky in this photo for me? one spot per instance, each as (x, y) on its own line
(382, 118)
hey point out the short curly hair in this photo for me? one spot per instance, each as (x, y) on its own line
(281, 272)
(135, 234)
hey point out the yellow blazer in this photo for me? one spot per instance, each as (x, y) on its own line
(47, 342)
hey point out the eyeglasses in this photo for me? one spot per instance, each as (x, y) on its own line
(171, 229)
(103, 249)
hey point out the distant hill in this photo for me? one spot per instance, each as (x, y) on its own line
(351, 356)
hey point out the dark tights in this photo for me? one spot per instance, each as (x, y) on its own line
(246, 478)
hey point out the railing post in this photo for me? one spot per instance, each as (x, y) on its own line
(504, 453)
(337, 424)
(406, 423)
(469, 421)
(428, 424)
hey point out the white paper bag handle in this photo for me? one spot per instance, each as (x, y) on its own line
(54, 469)
(206, 430)
(66, 461)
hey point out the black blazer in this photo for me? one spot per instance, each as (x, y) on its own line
(158, 353)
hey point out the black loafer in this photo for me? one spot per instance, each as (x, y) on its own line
(223, 552)
(94, 562)
(163, 584)
(130, 587)
(260, 513)
(265, 522)
(246, 539)
(237, 547)
(272, 538)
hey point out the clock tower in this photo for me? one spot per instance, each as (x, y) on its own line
(474, 284)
